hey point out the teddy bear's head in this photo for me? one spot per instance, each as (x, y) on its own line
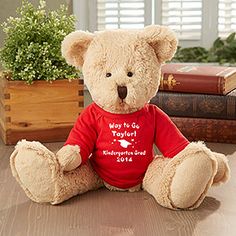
(121, 68)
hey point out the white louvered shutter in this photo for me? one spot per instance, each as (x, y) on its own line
(184, 16)
(124, 14)
(227, 17)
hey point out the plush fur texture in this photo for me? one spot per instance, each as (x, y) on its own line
(77, 42)
(119, 52)
(182, 182)
(223, 173)
(178, 183)
(69, 157)
(35, 168)
(112, 188)
(40, 175)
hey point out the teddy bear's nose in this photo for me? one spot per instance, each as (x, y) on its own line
(122, 92)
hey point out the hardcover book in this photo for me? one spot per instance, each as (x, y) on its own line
(180, 77)
(197, 105)
(210, 130)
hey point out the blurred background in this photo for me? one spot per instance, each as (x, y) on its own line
(197, 22)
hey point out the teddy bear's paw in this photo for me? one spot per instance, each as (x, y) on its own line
(223, 170)
(191, 180)
(35, 168)
(69, 157)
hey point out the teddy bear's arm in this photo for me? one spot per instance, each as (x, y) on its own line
(169, 140)
(80, 142)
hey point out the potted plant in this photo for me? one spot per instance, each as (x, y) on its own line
(223, 52)
(41, 95)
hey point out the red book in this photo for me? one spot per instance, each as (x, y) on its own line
(190, 78)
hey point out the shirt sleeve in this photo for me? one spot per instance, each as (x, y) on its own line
(84, 134)
(168, 139)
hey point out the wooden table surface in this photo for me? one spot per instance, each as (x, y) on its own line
(115, 213)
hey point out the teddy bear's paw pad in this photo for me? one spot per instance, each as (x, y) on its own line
(35, 172)
(192, 179)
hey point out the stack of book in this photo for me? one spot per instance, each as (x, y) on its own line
(201, 100)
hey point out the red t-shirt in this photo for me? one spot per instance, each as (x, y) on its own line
(120, 146)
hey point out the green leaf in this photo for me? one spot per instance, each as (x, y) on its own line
(218, 43)
(230, 38)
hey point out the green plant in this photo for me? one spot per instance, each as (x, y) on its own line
(223, 51)
(193, 54)
(32, 48)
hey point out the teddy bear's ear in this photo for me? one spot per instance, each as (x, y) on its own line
(162, 39)
(74, 47)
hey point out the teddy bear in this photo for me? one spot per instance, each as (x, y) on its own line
(111, 143)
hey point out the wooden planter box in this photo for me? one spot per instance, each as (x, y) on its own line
(42, 111)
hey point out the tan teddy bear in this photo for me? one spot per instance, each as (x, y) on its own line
(111, 143)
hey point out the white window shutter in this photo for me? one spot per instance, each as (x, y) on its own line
(196, 22)
(183, 16)
(227, 17)
(124, 14)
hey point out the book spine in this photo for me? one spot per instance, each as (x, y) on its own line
(197, 105)
(192, 83)
(210, 130)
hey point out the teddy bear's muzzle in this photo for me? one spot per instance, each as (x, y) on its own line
(122, 92)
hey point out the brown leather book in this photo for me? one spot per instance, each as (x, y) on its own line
(180, 77)
(210, 130)
(197, 105)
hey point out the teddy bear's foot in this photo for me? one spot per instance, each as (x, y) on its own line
(36, 169)
(38, 172)
(182, 182)
(223, 172)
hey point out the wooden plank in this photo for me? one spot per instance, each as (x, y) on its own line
(2, 115)
(40, 83)
(38, 116)
(2, 100)
(2, 82)
(2, 132)
(2, 110)
(3, 88)
(43, 92)
(54, 134)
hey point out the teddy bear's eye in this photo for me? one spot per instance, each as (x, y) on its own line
(129, 74)
(108, 74)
